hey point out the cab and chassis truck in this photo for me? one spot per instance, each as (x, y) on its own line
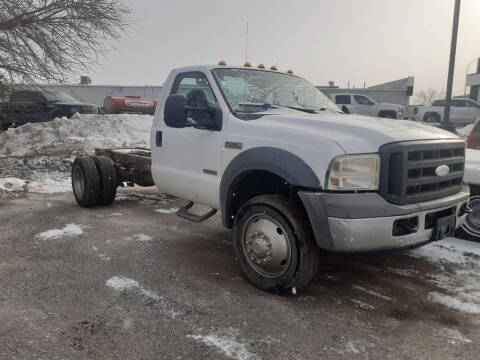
(290, 173)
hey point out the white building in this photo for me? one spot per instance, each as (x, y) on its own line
(95, 94)
(473, 80)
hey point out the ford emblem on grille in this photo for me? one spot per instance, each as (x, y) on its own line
(442, 170)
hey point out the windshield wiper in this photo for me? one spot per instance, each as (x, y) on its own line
(307, 110)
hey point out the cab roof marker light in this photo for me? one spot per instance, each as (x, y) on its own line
(261, 66)
(222, 62)
(290, 72)
(274, 68)
(247, 64)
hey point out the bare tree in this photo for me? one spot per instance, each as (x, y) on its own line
(47, 40)
(426, 97)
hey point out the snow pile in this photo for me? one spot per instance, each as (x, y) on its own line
(42, 153)
(461, 290)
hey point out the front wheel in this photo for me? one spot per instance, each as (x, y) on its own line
(470, 229)
(274, 243)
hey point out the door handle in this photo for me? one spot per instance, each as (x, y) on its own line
(158, 139)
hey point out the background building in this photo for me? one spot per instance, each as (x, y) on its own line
(95, 94)
(473, 80)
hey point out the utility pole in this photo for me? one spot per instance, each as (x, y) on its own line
(447, 125)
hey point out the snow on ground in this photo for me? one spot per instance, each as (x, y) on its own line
(166, 211)
(465, 130)
(12, 185)
(125, 284)
(42, 154)
(69, 230)
(140, 237)
(228, 342)
(459, 279)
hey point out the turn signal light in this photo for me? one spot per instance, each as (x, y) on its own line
(222, 62)
(274, 68)
(261, 66)
(247, 64)
(289, 72)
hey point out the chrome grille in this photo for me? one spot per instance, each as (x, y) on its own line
(408, 173)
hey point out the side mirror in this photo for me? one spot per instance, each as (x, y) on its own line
(174, 114)
(217, 118)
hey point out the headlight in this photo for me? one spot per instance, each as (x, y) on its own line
(354, 172)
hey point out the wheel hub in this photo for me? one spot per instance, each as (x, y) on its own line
(78, 182)
(266, 246)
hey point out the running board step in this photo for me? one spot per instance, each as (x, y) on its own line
(183, 213)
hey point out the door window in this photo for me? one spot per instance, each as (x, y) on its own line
(200, 100)
(472, 104)
(362, 100)
(343, 99)
(458, 103)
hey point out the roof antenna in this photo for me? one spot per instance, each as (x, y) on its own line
(246, 45)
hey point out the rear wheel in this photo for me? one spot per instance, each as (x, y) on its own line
(431, 118)
(470, 229)
(274, 244)
(108, 179)
(85, 181)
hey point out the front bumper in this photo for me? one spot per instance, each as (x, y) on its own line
(365, 221)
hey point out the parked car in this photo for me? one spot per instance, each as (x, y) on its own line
(462, 112)
(290, 173)
(362, 104)
(34, 106)
(472, 138)
(470, 229)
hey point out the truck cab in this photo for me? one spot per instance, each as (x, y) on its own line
(364, 105)
(291, 174)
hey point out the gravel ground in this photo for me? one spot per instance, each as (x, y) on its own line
(134, 281)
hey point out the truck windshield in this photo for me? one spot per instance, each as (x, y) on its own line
(59, 96)
(254, 91)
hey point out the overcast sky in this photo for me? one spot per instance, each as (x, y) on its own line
(341, 40)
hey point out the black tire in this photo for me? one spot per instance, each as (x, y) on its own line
(304, 255)
(85, 181)
(108, 179)
(431, 118)
(470, 229)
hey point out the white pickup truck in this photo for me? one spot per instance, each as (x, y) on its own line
(290, 173)
(462, 112)
(363, 105)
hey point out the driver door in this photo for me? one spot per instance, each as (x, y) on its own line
(188, 159)
(363, 105)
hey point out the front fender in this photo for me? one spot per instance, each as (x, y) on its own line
(280, 162)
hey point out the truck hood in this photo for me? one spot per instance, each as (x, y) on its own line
(354, 133)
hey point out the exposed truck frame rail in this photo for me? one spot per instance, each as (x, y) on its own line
(132, 166)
